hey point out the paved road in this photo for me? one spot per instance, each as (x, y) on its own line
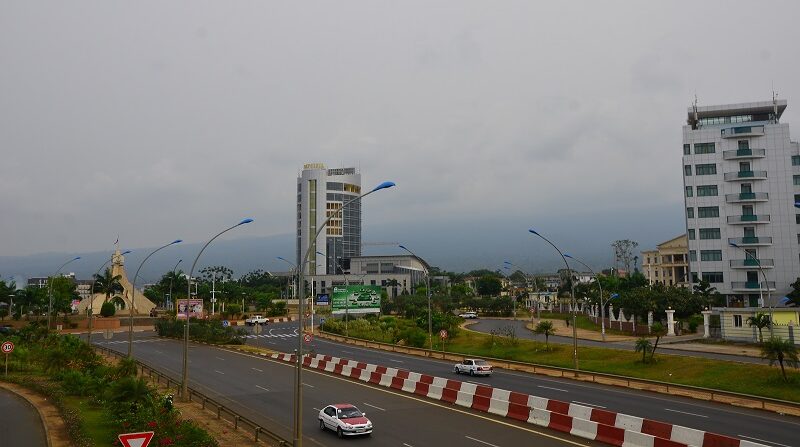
(488, 324)
(20, 424)
(261, 389)
(756, 425)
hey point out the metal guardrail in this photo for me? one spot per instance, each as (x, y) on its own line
(696, 392)
(235, 417)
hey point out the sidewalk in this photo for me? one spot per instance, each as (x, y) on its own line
(563, 330)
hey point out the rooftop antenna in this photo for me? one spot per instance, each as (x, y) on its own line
(775, 103)
(694, 109)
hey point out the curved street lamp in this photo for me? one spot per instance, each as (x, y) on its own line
(133, 294)
(574, 304)
(50, 289)
(185, 379)
(760, 287)
(427, 292)
(91, 295)
(602, 303)
(298, 398)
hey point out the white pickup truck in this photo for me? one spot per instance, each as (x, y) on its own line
(473, 367)
(256, 319)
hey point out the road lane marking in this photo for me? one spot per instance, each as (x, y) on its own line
(350, 352)
(259, 386)
(397, 361)
(310, 386)
(315, 408)
(587, 404)
(477, 383)
(220, 358)
(259, 370)
(763, 440)
(407, 445)
(478, 440)
(686, 412)
(551, 388)
(373, 406)
(219, 372)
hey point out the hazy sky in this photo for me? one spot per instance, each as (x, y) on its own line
(156, 120)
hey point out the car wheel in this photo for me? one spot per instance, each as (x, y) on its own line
(455, 370)
(339, 432)
(472, 372)
(321, 425)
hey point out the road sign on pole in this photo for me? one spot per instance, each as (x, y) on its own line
(225, 323)
(141, 439)
(308, 338)
(443, 334)
(8, 347)
(108, 334)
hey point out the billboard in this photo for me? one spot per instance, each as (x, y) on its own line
(356, 300)
(323, 300)
(195, 308)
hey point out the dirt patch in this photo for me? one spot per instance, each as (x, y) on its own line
(55, 427)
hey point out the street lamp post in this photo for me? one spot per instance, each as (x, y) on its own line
(574, 304)
(602, 305)
(298, 388)
(760, 287)
(185, 380)
(132, 307)
(428, 292)
(50, 289)
(91, 294)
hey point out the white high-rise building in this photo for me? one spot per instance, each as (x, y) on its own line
(741, 175)
(320, 194)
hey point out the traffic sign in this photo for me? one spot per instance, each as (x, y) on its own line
(226, 323)
(321, 321)
(108, 333)
(307, 338)
(8, 347)
(443, 333)
(141, 439)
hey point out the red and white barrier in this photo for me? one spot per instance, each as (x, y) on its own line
(612, 428)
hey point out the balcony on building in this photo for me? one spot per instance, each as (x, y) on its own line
(751, 241)
(747, 197)
(754, 286)
(740, 154)
(750, 263)
(745, 176)
(743, 131)
(748, 219)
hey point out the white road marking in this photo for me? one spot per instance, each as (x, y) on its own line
(315, 408)
(350, 352)
(220, 358)
(551, 388)
(587, 404)
(220, 372)
(686, 412)
(310, 386)
(476, 383)
(259, 370)
(763, 440)
(478, 440)
(373, 406)
(259, 386)
(397, 361)
(407, 445)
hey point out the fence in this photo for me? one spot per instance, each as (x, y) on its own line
(271, 438)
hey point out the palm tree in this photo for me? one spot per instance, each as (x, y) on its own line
(759, 321)
(107, 284)
(545, 328)
(658, 330)
(779, 350)
(643, 345)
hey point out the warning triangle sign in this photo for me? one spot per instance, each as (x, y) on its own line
(136, 439)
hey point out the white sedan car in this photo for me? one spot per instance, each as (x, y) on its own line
(345, 419)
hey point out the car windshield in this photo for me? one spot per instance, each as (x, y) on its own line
(349, 412)
(480, 362)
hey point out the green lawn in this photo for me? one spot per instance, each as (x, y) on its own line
(759, 380)
(95, 422)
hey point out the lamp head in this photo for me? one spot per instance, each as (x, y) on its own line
(383, 185)
(533, 231)
(176, 241)
(567, 255)
(508, 263)
(321, 253)
(403, 247)
(76, 258)
(244, 221)
(733, 244)
(126, 252)
(280, 257)
(614, 295)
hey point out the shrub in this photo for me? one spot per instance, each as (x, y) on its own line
(108, 310)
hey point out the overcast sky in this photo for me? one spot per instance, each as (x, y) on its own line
(156, 120)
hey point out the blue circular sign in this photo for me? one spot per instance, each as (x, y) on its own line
(225, 323)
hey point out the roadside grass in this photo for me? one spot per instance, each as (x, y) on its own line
(584, 323)
(757, 380)
(95, 421)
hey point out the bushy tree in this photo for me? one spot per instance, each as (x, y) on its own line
(782, 351)
(488, 285)
(108, 310)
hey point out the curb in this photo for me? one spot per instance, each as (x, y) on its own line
(589, 423)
